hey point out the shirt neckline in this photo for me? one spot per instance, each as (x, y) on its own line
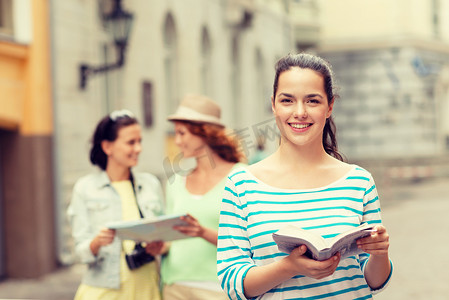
(335, 182)
(199, 196)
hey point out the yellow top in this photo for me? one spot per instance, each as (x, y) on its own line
(141, 283)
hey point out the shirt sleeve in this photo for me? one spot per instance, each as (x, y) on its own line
(372, 215)
(170, 188)
(371, 204)
(157, 187)
(233, 247)
(81, 229)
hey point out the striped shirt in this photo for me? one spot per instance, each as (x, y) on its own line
(252, 210)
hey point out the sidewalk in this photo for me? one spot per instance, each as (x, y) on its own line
(59, 285)
(415, 215)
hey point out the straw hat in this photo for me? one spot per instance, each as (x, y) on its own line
(198, 109)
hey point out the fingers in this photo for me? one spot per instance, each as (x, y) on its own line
(312, 268)
(377, 243)
(108, 234)
(103, 238)
(193, 228)
(154, 244)
(300, 250)
(190, 230)
(325, 268)
(189, 219)
(154, 248)
(380, 229)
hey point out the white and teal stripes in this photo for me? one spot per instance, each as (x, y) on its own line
(251, 211)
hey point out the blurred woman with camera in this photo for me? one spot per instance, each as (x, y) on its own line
(116, 269)
(189, 269)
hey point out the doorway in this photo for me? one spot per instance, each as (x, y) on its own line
(2, 225)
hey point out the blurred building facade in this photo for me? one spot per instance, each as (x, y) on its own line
(394, 80)
(225, 49)
(391, 60)
(27, 206)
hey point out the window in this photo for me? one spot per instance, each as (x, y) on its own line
(170, 64)
(6, 24)
(206, 64)
(235, 79)
(436, 18)
(262, 92)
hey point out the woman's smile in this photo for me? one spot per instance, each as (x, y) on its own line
(300, 127)
(301, 106)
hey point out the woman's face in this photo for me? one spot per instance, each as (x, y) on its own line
(191, 145)
(301, 106)
(124, 151)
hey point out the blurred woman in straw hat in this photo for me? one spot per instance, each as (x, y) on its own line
(189, 268)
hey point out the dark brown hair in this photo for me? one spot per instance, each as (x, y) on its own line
(107, 130)
(319, 65)
(215, 136)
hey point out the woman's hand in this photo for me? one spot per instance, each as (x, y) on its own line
(303, 265)
(193, 228)
(103, 238)
(377, 243)
(156, 248)
(261, 279)
(378, 267)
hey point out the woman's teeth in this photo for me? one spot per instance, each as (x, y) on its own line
(299, 126)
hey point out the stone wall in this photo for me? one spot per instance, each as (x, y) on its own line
(387, 106)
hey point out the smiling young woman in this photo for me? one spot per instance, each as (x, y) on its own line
(123, 152)
(305, 183)
(115, 193)
(301, 107)
(189, 269)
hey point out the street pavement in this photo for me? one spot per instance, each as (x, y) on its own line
(416, 217)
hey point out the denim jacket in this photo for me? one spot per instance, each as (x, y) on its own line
(94, 203)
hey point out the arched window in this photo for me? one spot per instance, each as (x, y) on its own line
(261, 86)
(436, 16)
(6, 19)
(442, 108)
(170, 64)
(235, 79)
(206, 63)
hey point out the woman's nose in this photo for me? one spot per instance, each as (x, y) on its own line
(177, 140)
(138, 147)
(300, 111)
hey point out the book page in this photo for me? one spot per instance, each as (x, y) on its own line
(148, 230)
(291, 237)
(346, 243)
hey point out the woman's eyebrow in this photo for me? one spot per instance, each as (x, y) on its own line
(307, 96)
(286, 95)
(314, 95)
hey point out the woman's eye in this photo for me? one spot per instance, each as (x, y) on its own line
(285, 100)
(133, 142)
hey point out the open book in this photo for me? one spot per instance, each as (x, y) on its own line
(149, 229)
(318, 248)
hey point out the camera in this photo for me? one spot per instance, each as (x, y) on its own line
(138, 257)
